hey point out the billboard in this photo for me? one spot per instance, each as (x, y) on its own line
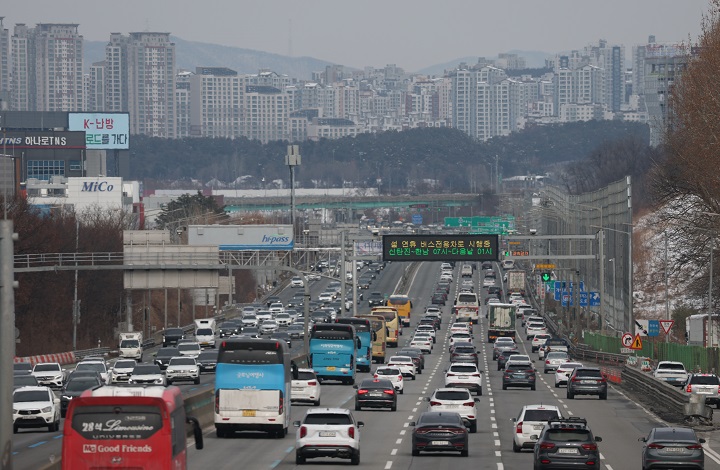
(35, 140)
(368, 247)
(103, 131)
(461, 247)
(243, 237)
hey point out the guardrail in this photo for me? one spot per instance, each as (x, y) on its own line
(672, 398)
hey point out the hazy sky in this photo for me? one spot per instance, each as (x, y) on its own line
(411, 34)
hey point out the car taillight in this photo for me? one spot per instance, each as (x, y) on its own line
(312, 382)
(518, 428)
(689, 388)
(351, 432)
(476, 375)
(589, 446)
(575, 379)
(547, 445)
(547, 362)
(469, 403)
(303, 431)
(217, 402)
(280, 404)
(389, 392)
(399, 378)
(450, 374)
(435, 403)
(362, 391)
(656, 446)
(375, 376)
(694, 447)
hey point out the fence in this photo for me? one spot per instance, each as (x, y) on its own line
(693, 357)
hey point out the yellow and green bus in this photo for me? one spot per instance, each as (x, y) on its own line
(377, 324)
(403, 304)
(392, 323)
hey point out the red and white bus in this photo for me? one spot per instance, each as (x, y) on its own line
(127, 427)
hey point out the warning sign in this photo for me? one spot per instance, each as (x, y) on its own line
(666, 325)
(637, 343)
(627, 340)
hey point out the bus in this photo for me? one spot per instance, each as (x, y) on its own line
(392, 323)
(252, 386)
(366, 334)
(127, 427)
(403, 304)
(377, 323)
(467, 307)
(333, 352)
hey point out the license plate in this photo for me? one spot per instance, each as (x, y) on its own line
(249, 413)
(588, 382)
(297, 389)
(327, 433)
(674, 450)
(538, 427)
(440, 443)
(567, 451)
(463, 377)
(519, 376)
(452, 406)
(331, 368)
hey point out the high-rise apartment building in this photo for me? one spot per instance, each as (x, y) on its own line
(116, 74)
(95, 99)
(215, 102)
(47, 72)
(266, 113)
(485, 102)
(4, 65)
(182, 104)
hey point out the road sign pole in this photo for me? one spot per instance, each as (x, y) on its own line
(7, 340)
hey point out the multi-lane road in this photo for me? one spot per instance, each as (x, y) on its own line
(386, 437)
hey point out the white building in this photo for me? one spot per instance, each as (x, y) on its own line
(84, 194)
(215, 102)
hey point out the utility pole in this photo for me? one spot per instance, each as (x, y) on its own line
(76, 305)
(8, 336)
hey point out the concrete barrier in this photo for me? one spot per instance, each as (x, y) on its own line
(62, 358)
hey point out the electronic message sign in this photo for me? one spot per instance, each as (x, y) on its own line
(461, 247)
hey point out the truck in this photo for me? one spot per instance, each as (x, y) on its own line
(467, 307)
(698, 330)
(131, 346)
(206, 323)
(205, 332)
(501, 321)
(516, 282)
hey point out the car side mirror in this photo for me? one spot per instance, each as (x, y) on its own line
(355, 387)
(296, 424)
(426, 399)
(701, 441)
(360, 424)
(533, 437)
(598, 439)
(477, 400)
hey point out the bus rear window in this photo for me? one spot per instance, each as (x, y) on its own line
(250, 356)
(389, 316)
(116, 422)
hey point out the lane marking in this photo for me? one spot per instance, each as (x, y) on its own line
(399, 441)
(394, 452)
(32, 446)
(388, 465)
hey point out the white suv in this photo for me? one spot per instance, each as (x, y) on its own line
(405, 364)
(392, 374)
(182, 368)
(554, 359)
(121, 370)
(328, 432)
(456, 400)
(530, 421)
(35, 407)
(306, 387)
(464, 375)
(50, 374)
(429, 329)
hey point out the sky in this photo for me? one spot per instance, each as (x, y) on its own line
(411, 34)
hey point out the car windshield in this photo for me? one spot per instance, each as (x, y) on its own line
(96, 366)
(566, 435)
(167, 352)
(207, 355)
(588, 373)
(540, 415)
(182, 361)
(146, 370)
(81, 383)
(670, 366)
(204, 332)
(468, 369)
(124, 364)
(46, 368)
(188, 347)
(174, 332)
(427, 419)
(675, 434)
(570, 365)
(387, 372)
(328, 418)
(519, 365)
(21, 366)
(304, 375)
(30, 396)
(130, 343)
(705, 380)
(452, 395)
(24, 380)
(465, 350)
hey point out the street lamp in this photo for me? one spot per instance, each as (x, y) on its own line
(614, 308)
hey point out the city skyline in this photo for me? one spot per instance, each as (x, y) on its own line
(382, 33)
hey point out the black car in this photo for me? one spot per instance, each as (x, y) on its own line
(417, 356)
(567, 443)
(587, 381)
(271, 300)
(74, 387)
(171, 336)
(494, 291)
(229, 328)
(464, 354)
(519, 374)
(22, 368)
(375, 393)
(438, 298)
(487, 265)
(207, 360)
(503, 357)
(376, 299)
(283, 335)
(296, 331)
(24, 380)
(433, 321)
(667, 447)
(251, 332)
(364, 282)
(439, 432)
(163, 356)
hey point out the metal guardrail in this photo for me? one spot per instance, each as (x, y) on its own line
(673, 399)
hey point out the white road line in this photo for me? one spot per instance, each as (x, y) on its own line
(414, 410)
(388, 465)
(497, 442)
(495, 434)
(406, 425)
(498, 453)
(410, 418)
(493, 425)
(402, 433)
(608, 467)
(394, 452)
(399, 441)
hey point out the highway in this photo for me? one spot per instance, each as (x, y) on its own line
(386, 437)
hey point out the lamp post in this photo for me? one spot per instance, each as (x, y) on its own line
(614, 308)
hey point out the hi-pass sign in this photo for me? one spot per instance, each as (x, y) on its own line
(440, 247)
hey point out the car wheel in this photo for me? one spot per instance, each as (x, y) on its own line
(357, 407)
(299, 459)
(16, 428)
(169, 382)
(603, 396)
(316, 403)
(516, 448)
(479, 392)
(62, 413)
(473, 427)
(197, 381)
(394, 407)
(570, 395)
(415, 452)
(402, 391)
(464, 453)
(504, 387)
(413, 377)
(220, 433)
(355, 459)
(532, 387)
(545, 371)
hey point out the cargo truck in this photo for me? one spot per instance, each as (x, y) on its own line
(131, 346)
(501, 321)
(516, 282)
(467, 307)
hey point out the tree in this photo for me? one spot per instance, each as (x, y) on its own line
(190, 209)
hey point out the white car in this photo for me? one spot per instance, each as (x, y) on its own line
(297, 282)
(249, 320)
(460, 338)
(564, 371)
(554, 359)
(488, 282)
(189, 349)
(456, 400)
(405, 364)
(182, 368)
(530, 421)
(328, 432)
(283, 319)
(393, 374)
(276, 307)
(147, 374)
(464, 375)
(538, 341)
(49, 374)
(306, 388)
(326, 297)
(535, 329)
(263, 315)
(268, 327)
(205, 337)
(429, 329)
(121, 370)
(460, 327)
(518, 358)
(97, 366)
(35, 407)
(423, 343)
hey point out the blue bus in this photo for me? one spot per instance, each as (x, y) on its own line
(333, 352)
(252, 386)
(365, 333)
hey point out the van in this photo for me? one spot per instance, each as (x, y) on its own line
(466, 271)
(131, 346)
(508, 264)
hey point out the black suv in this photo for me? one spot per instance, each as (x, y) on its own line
(163, 356)
(171, 336)
(229, 328)
(587, 381)
(417, 356)
(464, 354)
(519, 374)
(567, 443)
(375, 393)
(376, 299)
(74, 388)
